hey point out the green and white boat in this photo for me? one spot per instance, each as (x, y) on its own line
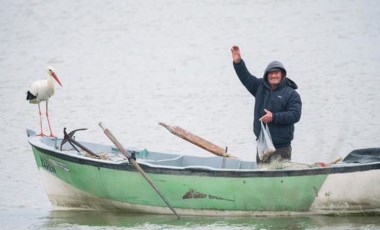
(204, 185)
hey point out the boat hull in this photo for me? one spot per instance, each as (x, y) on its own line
(77, 182)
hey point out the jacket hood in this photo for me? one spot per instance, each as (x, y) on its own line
(274, 65)
(289, 82)
(279, 65)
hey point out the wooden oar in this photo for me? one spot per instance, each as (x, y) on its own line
(135, 164)
(198, 141)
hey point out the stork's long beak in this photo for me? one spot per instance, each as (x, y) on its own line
(56, 78)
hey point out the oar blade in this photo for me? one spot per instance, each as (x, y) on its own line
(197, 140)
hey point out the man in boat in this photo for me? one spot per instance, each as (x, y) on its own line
(276, 103)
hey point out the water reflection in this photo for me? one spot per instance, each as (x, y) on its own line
(99, 220)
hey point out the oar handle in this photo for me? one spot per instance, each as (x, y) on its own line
(136, 165)
(116, 142)
(101, 126)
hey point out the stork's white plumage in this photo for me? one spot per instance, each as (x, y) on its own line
(42, 90)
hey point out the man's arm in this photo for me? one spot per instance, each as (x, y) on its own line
(247, 79)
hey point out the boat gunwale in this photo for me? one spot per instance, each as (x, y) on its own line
(208, 171)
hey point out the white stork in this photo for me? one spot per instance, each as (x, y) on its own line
(42, 90)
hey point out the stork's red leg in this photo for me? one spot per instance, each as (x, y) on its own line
(39, 111)
(47, 117)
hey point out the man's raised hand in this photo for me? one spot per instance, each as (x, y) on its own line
(236, 56)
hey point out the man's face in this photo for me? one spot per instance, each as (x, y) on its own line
(274, 77)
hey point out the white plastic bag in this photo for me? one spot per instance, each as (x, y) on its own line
(265, 147)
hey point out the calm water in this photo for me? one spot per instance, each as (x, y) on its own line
(131, 64)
